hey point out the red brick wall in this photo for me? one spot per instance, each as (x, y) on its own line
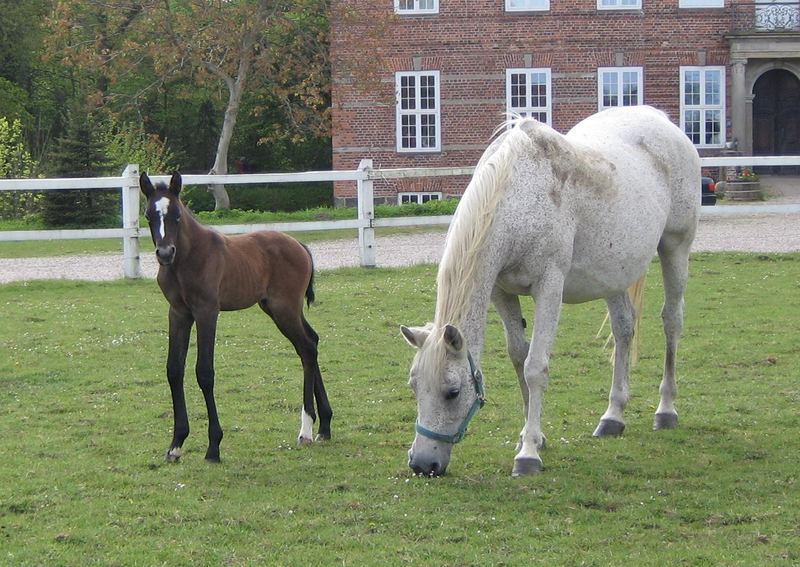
(472, 44)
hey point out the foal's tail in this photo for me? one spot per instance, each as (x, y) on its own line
(310, 288)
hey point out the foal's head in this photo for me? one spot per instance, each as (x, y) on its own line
(163, 214)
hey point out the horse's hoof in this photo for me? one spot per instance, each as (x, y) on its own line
(322, 437)
(665, 421)
(526, 466)
(304, 440)
(609, 428)
(174, 455)
(213, 459)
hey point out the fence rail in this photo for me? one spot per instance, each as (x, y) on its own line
(364, 176)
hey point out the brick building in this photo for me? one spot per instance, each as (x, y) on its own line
(444, 72)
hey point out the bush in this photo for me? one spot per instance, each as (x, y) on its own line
(273, 197)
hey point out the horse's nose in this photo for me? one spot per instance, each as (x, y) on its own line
(426, 468)
(165, 254)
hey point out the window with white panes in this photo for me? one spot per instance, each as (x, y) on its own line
(529, 93)
(619, 86)
(416, 6)
(619, 4)
(418, 198)
(701, 3)
(527, 5)
(703, 105)
(417, 113)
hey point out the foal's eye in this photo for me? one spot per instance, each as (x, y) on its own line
(452, 394)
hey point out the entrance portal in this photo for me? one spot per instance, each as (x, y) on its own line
(776, 114)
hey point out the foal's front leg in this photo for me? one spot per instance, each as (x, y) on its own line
(206, 338)
(180, 328)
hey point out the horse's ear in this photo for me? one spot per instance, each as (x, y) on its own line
(453, 339)
(416, 336)
(175, 183)
(146, 185)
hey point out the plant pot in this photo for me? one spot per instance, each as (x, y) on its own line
(743, 190)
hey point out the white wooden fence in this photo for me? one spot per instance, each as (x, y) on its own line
(364, 176)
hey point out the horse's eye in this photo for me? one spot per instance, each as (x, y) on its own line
(452, 394)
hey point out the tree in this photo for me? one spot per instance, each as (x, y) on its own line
(79, 153)
(15, 162)
(275, 46)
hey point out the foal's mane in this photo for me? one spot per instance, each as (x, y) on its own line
(473, 219)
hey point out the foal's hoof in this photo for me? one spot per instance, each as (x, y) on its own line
(322, 437)
(526, 466)
(665, 421)
(609, 428)
(302, 440)
(174, 455)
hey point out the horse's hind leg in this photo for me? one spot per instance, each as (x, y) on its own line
(323, 405)
(675, 271)
(622, 316)
(291, 323)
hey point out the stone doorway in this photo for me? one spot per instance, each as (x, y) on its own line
(776, 114)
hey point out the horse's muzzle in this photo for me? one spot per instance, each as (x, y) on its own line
(426, 466)
(165, 254)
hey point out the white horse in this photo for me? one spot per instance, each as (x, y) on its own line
(564, 219)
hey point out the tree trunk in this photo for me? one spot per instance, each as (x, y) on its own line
(235, 90)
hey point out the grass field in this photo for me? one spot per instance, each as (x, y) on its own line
(85, 419)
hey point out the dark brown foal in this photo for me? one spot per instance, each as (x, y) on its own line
(202, 272)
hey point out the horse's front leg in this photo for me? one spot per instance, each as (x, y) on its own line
(622, 316)
(537, 374)
(206, 338)
(508, 307)
(180, 329)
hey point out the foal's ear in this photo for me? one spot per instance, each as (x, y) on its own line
(453, 339)
(146, 185)
(416, 336)
(175, 183)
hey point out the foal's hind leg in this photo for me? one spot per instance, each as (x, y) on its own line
(622, 315)
(675, 271)
(290, 321)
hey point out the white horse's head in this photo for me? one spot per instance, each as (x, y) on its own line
(449, 391)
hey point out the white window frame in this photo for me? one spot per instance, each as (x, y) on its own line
(416, 9)
(418, 112)
(701, 3)
(619, 72)
(528, 109)
(418, 197)
(704, 106)
(619, 4)
(542, 6)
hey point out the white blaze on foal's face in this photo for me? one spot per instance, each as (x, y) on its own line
(162, 206)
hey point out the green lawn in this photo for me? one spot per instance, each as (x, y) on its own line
(85, 419)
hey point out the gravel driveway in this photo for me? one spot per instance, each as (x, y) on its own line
(768, 233)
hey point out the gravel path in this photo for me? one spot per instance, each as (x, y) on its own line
(753, 233)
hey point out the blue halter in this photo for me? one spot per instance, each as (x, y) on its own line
(480, 399)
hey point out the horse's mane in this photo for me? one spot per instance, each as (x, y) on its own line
(473, 219)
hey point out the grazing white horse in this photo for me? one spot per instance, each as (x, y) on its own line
(564, 219)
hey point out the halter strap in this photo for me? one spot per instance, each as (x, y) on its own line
(480, 399)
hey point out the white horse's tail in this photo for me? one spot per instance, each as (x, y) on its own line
(636, 293)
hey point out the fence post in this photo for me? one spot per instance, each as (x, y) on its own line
(130, 222)
(366, 213)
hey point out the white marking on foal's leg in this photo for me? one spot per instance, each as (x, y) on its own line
(162, 206)
(174, 454)
(306, 428)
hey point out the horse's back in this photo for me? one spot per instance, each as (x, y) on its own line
(264, 264)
